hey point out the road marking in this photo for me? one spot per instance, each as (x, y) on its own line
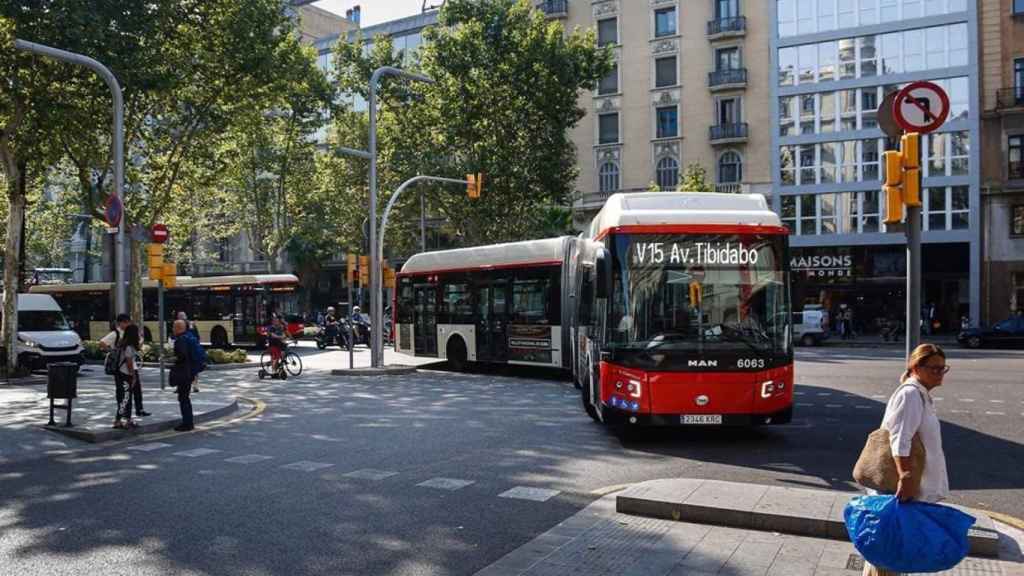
(833, 405)
(149, 447)
(445, 483)
(938, 398)
(960, 411)
(967, 399)
(879, 396)
(307, 466)
(864, 407)
(997, 401)
(804, 404)
(248, 459)
(197, 452)
(370, 474)
(528, 493)
(987, 413)
(799, 393)
(824, 393)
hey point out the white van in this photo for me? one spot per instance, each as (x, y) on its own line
(810, 327)
(43, 333)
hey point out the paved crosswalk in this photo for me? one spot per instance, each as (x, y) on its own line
(524, 493)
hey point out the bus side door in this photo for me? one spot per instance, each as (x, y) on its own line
(492, 318)
(425, 318)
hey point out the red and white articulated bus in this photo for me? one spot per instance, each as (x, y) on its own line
(671, 309)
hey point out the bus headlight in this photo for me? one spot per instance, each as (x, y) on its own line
(634, 388)
(767, 389)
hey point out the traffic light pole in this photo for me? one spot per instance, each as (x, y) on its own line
(913, 277)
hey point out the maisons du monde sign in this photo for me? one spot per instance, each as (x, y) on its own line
(829, 263)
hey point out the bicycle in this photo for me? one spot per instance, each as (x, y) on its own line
(290, 365)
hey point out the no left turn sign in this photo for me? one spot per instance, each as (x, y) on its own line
(921, 107)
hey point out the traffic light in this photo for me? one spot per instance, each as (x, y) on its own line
(169, 274)
(389, 277)
(155, 260)
(474, 184)
(364, 270)
(893, 186)
(910, 146)
(350, 269)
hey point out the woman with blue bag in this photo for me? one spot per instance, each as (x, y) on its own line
(912, 466)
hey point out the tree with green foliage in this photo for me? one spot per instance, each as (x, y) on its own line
(505, 97)
(695, 180)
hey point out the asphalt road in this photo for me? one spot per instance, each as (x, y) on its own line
(442, 473)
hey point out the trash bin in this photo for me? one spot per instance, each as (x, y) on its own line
(61, 384)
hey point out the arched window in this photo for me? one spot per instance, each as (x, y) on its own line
(608, 177)
(730, 168)
(667, 173)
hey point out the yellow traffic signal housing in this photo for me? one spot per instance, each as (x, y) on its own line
(155, 260)
(695, 294)
(364, 270)
(389, 278)
(893, 168)
(350, 268)
(912, 187)
(170, 274)
(471, 188)
(893, 204)
(910, 148)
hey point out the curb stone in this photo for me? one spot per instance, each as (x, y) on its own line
(94, 437)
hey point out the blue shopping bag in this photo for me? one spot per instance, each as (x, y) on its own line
(907, 536)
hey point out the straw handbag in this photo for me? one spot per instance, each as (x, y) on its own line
(876, 468)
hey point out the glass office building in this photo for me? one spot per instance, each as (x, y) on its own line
(833, 63)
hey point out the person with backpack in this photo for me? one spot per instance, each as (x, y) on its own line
(198, 353)
(110, 343)
(126, 375)
(181, 375)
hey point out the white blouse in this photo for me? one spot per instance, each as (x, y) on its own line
(910, 411)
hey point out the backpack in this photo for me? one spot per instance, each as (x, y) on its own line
(112, 363)
(198, 355)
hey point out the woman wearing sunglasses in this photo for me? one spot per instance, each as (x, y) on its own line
(911, 411)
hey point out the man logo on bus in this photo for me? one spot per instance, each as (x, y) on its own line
(702, 363)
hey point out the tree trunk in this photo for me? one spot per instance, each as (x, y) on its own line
(15, 222)
(134, 250)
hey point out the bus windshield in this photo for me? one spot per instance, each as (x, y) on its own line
(680, 299)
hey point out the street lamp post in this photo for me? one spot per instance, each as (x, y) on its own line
(120, 292)
(376, 305)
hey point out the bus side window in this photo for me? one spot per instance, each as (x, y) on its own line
(585, 314)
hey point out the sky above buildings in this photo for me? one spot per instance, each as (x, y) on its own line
(377, 11)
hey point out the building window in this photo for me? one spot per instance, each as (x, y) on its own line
(610, 83)
(609, 177)
(959, 152)
(665, 22)
(808, 215)
(728, 111)
(730, 168)
(1018, 6)
(789, 212)
(826, 61)
(667, 173)
(1015, 157)
(935, 208)
(608, 128)
(786, 126)
(808, 113)
(959, 207)
(727, 9)
(846, 158)
(607, 31)
(727, 59)
(937, 148)
(665, 72)
(827, 107)
(828, 162)
(1017, 220)
(787, 165)
(828, 213)
(869, 108)
(808, 165)
(787, 66)
(1018, 74)
(668, 122)
(869, 211)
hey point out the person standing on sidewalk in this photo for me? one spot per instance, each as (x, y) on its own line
(191, 332)
(911, 411)
(125, 377)
(181, 375)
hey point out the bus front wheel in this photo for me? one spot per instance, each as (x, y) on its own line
(456, 353)
(588, 405)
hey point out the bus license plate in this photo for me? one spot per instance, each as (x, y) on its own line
(701, 419)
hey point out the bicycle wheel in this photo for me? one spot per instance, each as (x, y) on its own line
(266, 364)
(293, 363)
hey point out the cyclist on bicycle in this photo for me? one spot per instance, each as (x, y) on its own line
(276, 335)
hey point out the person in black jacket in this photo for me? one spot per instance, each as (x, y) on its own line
(181, 375)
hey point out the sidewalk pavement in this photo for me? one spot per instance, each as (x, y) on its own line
(601, 540)
(24, 412)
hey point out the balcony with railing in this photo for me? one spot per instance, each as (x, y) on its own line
(554, 8)
(731, 188)
(727, 27)
(727, 79)
(1009, 98)
(729, 133)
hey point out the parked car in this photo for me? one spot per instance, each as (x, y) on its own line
(1009, 333)
(810, 327)
(44, 335)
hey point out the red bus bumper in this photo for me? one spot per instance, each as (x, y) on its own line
(738, 398)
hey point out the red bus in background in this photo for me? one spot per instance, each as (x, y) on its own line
(671, 309)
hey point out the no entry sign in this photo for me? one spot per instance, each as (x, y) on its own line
(159, 233)
(921, 107)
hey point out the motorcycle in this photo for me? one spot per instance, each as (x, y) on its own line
(361, 331)
(338, 335)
